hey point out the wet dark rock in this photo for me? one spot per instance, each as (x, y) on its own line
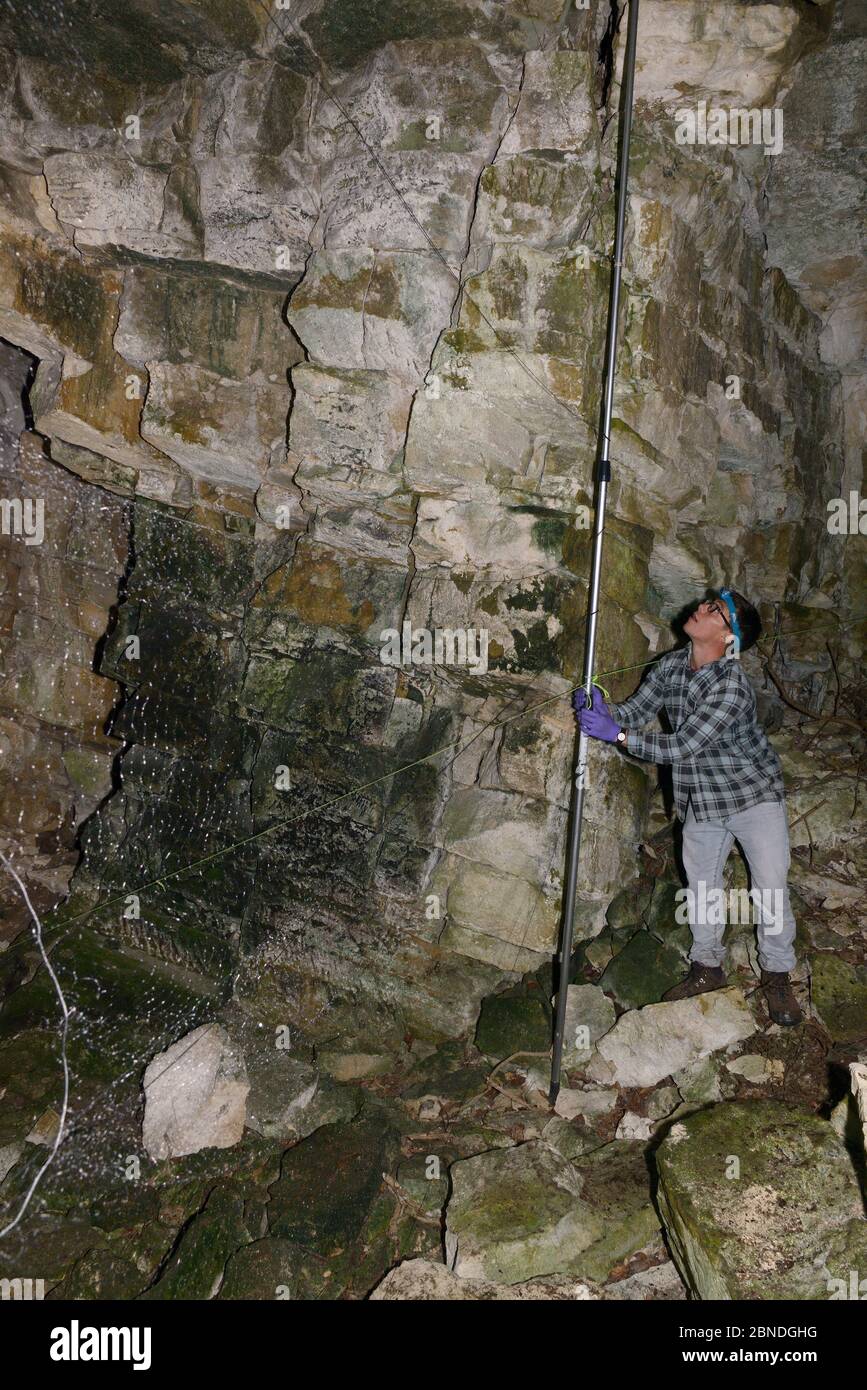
(101, 1275)
(510, 1023)
(329, 1184)
(447, 1075)
(643, 970)
(196, 1266)
(51, 1247)
(267, 1268)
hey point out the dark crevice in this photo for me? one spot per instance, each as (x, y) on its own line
(606, 54)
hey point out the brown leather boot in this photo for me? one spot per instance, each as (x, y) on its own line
(782, 1004)
(700, 980)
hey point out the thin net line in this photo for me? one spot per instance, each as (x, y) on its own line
(457, 744)
(161, 880)
(209, 858)
(226, 849)
(64, 1032)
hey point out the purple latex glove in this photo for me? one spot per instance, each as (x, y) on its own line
(598, 722)
(579, 700)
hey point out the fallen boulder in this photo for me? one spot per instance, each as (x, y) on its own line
(643, 970)
(195, 1095)
(650, 1043)
(515, 1214)
(520, 1213)
(282, 1091)
(589, 1015)
(760, 1201)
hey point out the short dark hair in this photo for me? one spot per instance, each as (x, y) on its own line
(748, 620)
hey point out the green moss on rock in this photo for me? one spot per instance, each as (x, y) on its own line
(760, 1201)
(642, 971)
(345, 31)
(509, 1024)
(840, 997)
(329, 1183)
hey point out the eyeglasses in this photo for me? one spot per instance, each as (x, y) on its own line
(715, 607)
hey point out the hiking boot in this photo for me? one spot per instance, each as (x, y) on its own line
(700, 980)
(782, 1004)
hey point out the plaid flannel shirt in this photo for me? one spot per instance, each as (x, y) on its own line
(721, 759)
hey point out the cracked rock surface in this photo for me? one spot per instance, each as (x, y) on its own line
(301, 343)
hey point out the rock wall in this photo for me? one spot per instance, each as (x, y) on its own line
(324, 339)
(59, 585)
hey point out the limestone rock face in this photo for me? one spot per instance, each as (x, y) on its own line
(57, 584)
(321, 384)
(647, 1044)
(195, 1095)
(760, 1200)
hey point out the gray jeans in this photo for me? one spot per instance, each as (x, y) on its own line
(762, 831)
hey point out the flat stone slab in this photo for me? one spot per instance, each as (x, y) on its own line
(760, 1201)
(424, 1281)
(650, 1043)
(590, 1104)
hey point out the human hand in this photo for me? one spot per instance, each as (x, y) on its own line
(598, 723)
(579, 700)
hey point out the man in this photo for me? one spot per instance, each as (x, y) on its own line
(728, 786)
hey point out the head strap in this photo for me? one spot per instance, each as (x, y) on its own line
(726, 595)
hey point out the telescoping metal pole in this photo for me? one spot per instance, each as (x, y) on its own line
(603, 477)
